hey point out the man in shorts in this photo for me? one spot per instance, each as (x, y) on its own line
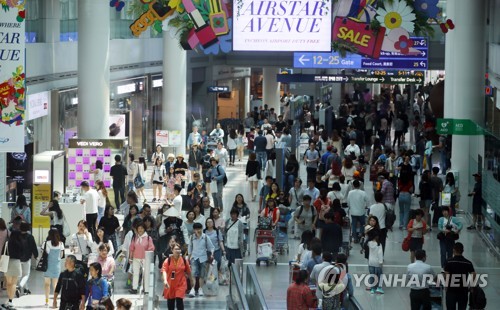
(199, 245)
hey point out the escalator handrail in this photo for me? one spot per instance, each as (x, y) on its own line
(239, 286)
(258, 290)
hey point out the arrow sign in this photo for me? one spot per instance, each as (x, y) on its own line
(333, 78)
(302, 59)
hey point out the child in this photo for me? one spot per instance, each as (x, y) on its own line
(170, 184)
(375, 262)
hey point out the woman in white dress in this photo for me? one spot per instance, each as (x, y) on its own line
(98, 172)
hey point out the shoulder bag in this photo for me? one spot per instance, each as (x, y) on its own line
(43, 263)
(4, 259)
(66, 230)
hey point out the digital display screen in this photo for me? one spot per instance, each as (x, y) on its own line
(279, 25)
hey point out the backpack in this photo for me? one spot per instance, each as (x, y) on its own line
(224, 180)
(302, 209)
(336, 165)
(390, 217)
(477, 298)
(206, 162)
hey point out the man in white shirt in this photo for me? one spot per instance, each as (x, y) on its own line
(378, 210)
(177, 202)
(327, 261)
(420, 297)
(217, 133)
(357, 200)
(312, 191)
(352, 148)
(90, 200)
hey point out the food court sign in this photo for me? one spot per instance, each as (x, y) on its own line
(12, 77)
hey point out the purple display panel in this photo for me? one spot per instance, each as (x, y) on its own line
(107, 183)
(86, 175)
(71, 160)
(86, 160)
(91, 183)
(71, 175)
(93, 152)
(78, 183)
(107, 168)
(79, 152)
(79, 168)
(107, 152)
(101, 159)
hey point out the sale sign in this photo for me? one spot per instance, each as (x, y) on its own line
(12, 77)
(366, 41)
(282, 25)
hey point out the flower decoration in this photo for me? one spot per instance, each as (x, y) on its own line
(19, 4)
(218, 22)
(224, 45)
(12, 98)
(117, 4)
(404, 44)
(427, 7)
(396, 15)
(177, 5)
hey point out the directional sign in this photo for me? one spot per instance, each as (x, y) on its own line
(465, 127)
(394, 63)
(218, 89)
(331, 60)
(334, 78)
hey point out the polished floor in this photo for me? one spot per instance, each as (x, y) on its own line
(274, 279)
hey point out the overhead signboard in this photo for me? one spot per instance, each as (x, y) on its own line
(282, 25)
(465, 127)
(337, 78)
(218, 89)
(38, 105)
(387, 60)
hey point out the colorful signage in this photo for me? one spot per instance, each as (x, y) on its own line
(42, 194)
(366, 41)
(162, 137)
(12, 77)
(303, 25)
(334, 78)
(331, 60)
(465, 127)
(156, 12)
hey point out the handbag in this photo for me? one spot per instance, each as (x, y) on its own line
(446, 199)
(43, 263)
(66, 230)
(4, 259)
(405, 246)
(138, 181)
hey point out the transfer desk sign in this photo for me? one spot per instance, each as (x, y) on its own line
(282, 25)
(12, 77)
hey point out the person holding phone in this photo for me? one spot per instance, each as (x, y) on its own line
(174, 271)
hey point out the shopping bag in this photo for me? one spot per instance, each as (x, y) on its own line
(405, 246)
(212, 283)
(445, 199)
(224, 271)
(4, 259)
(265, 250)
(121, 262)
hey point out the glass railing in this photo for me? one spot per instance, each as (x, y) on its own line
(253, 291)
(236, 300)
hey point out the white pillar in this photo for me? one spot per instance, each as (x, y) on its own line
(466, 98)
(449, 64)
(271, 88)
(93, 69)
(247, 96)
(174, 89)
(51, 19)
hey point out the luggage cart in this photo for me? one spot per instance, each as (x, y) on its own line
(282, 231)
(346, 236)
(294, 271)
(265, 247)
(246, 238)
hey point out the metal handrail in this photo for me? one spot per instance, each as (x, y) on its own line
(235, 283)
(354, 304)
(253, 288)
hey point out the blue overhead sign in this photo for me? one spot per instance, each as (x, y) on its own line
(218, 89)
(387, 60)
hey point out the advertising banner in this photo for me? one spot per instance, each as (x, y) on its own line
(174, 138)
(162, 138)
(278, 25)
(38, 105)
(12, 77)
(41, 198)
(117, 124)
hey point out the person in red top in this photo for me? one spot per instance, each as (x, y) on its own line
(140, 244)
(174, 270)
(322, 205)
(271, 210)
(299, 296)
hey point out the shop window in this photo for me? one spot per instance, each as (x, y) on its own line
(33, 21)
(69, 20)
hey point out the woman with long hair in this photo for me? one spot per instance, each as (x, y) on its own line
(232, 144)
(336, 141)
(180, 168)
(140, 244)
(102, 238)
(109, 222)
(53, 210)
(348, 169)
(55, 251)
(252, 173)
(97, 287)
(21, 209)
(218, 219)
(270, 169)
(103, 199)
(98, 172)
(129, 219)
(451, 188)
(174, 271)
(240, 204)
(217, 240)
(157, 178)
(143, 167)
(82, 241)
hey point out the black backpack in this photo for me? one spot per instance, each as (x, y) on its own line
(477, 298)
(302, 209)
(390, 217)
(224, 181)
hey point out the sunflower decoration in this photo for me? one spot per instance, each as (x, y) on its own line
(396, 15)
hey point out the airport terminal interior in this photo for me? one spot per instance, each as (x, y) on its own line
(385, 113)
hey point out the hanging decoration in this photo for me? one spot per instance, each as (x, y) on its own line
(202, 25)
(368, 27)
(117, 4)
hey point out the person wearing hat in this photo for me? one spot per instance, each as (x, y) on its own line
(180, 167)
(170, 162)
(477, 204)
(91, 201)
(195, 159)
(449, 227)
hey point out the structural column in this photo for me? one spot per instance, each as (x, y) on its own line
(247, 96)
(271, 88)
(174, 89)
(93, 69)
(464, 94)
(51, 20)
